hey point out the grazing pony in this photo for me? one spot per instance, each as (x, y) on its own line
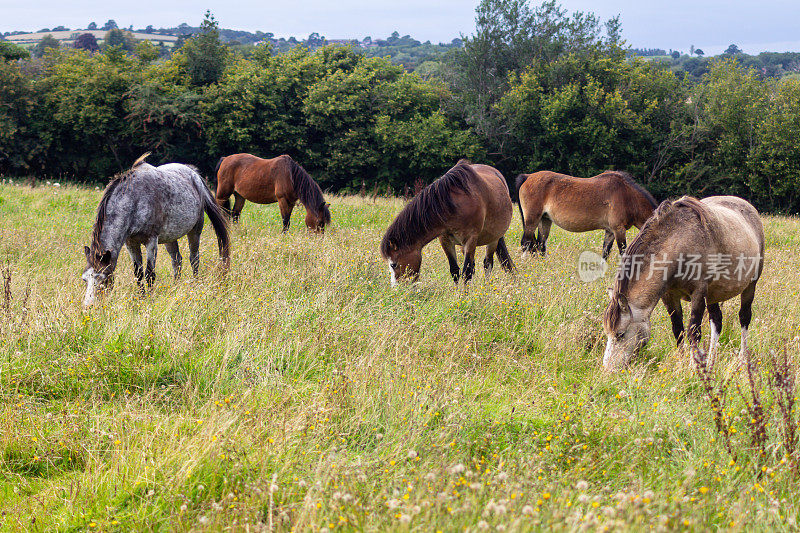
(266, 181)
(611, 201)
(148, 205)
(469, 206)
(705, 252)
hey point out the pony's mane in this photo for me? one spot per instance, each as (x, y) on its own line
(662, 218)
(430, 208)
(628, 178)
(308, 191)
(97, 230)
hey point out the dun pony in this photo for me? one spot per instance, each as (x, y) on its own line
(703, 251)
(611, 201)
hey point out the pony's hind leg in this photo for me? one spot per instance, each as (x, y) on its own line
(177, 261)
(488, 262)
(194, 247)
(449, 248)
(675, 312)
(504, 256)
(238, 204)
(745, 315)
(135, 251)
(608, 243)
(715, 321)
(529, 242)
(150, 269)
(544, 232)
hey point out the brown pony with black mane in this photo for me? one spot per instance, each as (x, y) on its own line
(611, 201)
(469, 206)
(266, 181)
(704, 251)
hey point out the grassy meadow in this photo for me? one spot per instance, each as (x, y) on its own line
(303, 393)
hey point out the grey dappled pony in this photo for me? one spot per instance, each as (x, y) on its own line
(148, 205)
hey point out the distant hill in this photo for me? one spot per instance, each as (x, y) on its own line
(68, 36)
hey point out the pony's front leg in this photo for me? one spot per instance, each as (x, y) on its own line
(449, 248)
(622, 242)
(135, 251)
(150, 269)
(286, 212)
(469, 258)
(608, 243)
(715, 321)
(698, 303)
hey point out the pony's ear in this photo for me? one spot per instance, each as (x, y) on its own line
(86, 252)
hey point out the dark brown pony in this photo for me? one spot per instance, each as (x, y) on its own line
(469, 206)
(266, 181)
(611, 201)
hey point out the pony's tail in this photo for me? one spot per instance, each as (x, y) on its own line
(141, 159)
(216, 169)
(308, 191)
(519, 181)
(218, 221)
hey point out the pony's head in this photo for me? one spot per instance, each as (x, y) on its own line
(404, 263)
(317, 220)
(627, 330)
(98, 274)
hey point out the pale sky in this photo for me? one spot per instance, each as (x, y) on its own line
(712, 25)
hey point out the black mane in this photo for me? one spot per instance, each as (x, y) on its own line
(430, 208)
(308, 191)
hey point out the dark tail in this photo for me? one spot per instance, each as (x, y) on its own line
(308, 191)
(216, 169)
(218, 221)
(520, 180)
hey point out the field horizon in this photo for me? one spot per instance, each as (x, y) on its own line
(303, 393)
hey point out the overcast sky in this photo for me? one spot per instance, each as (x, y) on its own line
(772, 25)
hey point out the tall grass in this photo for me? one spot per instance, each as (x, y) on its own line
(303, 393)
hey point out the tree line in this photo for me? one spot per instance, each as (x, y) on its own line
(534, 87)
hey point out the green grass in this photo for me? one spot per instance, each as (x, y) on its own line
(303, 392)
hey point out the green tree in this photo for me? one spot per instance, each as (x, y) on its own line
(12, 52)
(48, 42)
(584, 113)
(204, 54)
(732, 50)
(510, 36)
(120, 38)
